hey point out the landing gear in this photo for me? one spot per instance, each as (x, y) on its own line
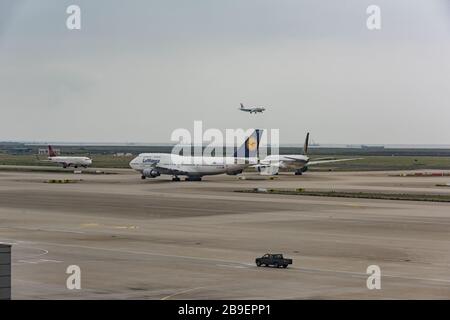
(143, 177)
(175, 178)
(193, 178)
(300, 171)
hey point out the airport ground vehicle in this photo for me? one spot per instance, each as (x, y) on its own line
(276, 260)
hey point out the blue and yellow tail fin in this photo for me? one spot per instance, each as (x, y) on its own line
(250, 147)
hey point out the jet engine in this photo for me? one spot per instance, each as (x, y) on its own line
(267, 170)
(150, 173)
(235, 172)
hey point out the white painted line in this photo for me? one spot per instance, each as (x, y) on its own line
(231, 266)
(180, 292)
(359, 274)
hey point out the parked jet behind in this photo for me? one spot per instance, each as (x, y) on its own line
(152, 165)
(254, 110)
(297, 162)
(68, 161)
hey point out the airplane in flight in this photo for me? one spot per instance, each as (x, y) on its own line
(67, 161)
(254, 110)
(152, 165)
(271, 164)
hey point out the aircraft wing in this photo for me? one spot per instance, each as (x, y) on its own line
(329, 161)
(264, 165)
(168, 169)
(43, 160)
(163, 168)
(294, 159)
(327, 158)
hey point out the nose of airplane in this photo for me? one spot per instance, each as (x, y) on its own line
(132, 163)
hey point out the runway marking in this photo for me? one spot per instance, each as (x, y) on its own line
(91, 225)
(128, 227)
(141, 252)
(364, 275)
(123, 227)
(61, 230)
(37, 261)
(180, 292)
(43, 253)
(44, 229)
(359, 274)
(231, 266)
(87, 225)
(33, 259)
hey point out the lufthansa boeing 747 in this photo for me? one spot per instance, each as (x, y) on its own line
(152, 165)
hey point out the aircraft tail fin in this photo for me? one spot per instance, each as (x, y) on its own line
(51, 153)
(242, 106)
(305, 146)
(250, 148)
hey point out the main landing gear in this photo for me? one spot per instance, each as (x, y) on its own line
(193, 178)
(188, 178)
(299, 172)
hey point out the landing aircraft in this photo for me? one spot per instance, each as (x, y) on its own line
(254, 110)
(271, 164)
(152, 165)
(68, 161)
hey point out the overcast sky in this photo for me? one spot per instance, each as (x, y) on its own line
(137, 70)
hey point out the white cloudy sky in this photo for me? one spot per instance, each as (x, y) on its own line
(137, 70)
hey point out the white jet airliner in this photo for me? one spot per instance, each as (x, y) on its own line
(271, 164)
(152, 165)
(254, 110)
(68, 161)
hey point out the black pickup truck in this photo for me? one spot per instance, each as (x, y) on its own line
(275, 260)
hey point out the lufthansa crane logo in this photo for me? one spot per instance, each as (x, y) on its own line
(251, 144)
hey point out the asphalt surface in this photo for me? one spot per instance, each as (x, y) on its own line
(158, 239)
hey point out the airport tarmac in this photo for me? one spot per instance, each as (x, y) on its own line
(158, 239)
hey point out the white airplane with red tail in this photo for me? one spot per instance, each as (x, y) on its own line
(67, 161)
